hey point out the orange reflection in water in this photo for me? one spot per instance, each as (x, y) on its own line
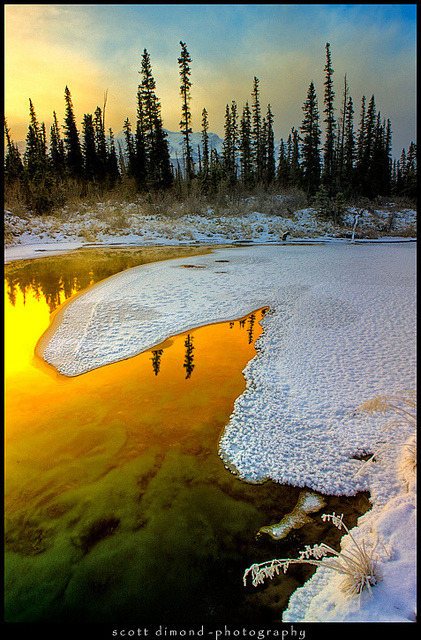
(64, 433)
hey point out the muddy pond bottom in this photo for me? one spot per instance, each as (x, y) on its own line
(118, 507)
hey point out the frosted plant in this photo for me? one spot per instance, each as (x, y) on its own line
(407, 463)
(358, 564)
(403, 405)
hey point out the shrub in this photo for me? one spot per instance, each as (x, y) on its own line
(358, 564)
(403, 404)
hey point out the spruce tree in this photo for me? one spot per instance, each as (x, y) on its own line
(367, 138)
(348, 178)
(256, 139)
(329, 146)
(90, 158)
(74, 158)
(310, 151)
(270, 165)
(340, 148)
(160, 158)
(57, 156)
(130, 148)
(205, 149)
(235, 137)
(100, 144)
(150, 133)
(33, 157)
(295, 166)
(410, 187)
(113, 173)
(359, 160)
(283, 170)
(229, 146)
(246, 158)
(13, 165)
(140, 160)
(185, 123)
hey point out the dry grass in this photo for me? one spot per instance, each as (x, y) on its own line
(358, 564)
(403, 406)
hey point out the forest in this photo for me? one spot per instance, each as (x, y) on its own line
(331, 158)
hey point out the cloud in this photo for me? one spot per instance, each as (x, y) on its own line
(92, 48)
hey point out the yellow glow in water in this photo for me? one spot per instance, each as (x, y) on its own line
(72, 430)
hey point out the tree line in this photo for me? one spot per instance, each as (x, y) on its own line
(353, 160)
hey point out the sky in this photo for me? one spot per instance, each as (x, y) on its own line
(96, 49)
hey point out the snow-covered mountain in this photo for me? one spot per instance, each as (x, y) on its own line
(176, 141)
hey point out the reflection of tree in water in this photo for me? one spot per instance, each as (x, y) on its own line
(56, 278)
(188, 358)
(156, 360)
(251, 320)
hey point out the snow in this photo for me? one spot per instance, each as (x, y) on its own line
(130, 224)
(340, 331)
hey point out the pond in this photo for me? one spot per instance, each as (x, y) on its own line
(118, 507)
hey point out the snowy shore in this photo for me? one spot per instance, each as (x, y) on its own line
(128, 224)
(340, 331)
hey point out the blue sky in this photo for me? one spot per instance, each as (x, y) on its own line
(93, 48)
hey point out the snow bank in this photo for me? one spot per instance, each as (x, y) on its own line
(393, 599)
(128, 224)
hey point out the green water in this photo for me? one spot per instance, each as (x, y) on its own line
(118, 507)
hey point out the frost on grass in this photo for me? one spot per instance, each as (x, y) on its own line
(358, 564)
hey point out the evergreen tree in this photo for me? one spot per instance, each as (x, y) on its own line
(140, 161)
(13, 165)
(36, 177)
(185, 121)
(90, 157)
(246, 158)
(35, 152)
(359, 161)
(74, 158)
(270, 165)
(112, 161)
(378, 163)
(160, 158)
(295, 167)
(216, 171)
(229, 146)
(387, 160)
(147, 102)
(365, 154)
(340, 148)
(100, 144)
(282, 173)
(205, 148)
(235, 136)
(130, 148)
(150, 135)
(256, 134)
(329, 146)
(57, 156)
(349, 149)
(408, 170)
(310, 151)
